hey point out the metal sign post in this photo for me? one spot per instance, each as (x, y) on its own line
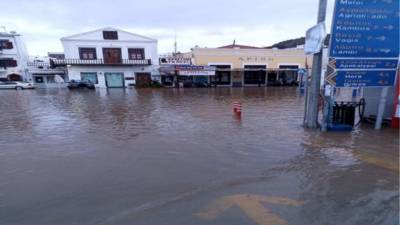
(315, 84)
(364, 47)
(381, 109)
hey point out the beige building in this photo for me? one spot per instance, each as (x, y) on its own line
(239, 65)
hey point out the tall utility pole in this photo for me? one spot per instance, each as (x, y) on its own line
(315, 84)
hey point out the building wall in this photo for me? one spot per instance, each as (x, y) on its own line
(74, 73)
(19, 53)
(372, 99)
(94, 39)
(240, 57)
(71, 48)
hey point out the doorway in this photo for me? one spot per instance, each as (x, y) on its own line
(112, 55)
(14, 77)
(143, 79)
(255, 74)
(222, 75)
(114, 80)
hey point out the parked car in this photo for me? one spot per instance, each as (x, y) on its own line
(200, 84)
(17, 85)
(79, 84)
(290, 82)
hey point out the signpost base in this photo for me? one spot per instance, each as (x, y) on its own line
(381, 110)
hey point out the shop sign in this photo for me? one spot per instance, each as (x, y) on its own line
(190, 70)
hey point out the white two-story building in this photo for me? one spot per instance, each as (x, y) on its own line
(110, 57)
(13, 57)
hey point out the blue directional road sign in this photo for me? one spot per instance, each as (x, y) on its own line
(364, 78)
(364, 41)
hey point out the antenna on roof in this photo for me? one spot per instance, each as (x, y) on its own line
(175, 44)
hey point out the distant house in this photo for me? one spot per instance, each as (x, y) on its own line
(109, 57)
(13, 57)
(44, 75)
(168, 63)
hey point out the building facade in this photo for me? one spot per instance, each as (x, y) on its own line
(13, 57)
(168, 62)
(44, 75)
(110, 58)
(239, 65)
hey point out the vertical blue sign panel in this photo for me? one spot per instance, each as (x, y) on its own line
(365, 78)
(365, 29)
(366, 64)
(365, 42)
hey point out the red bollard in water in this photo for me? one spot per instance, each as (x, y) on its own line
(237, 108)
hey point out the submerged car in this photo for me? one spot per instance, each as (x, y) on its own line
(200, 84)
(17, 85)
(79, 84)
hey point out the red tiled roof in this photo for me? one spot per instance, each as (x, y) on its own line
(239, 46)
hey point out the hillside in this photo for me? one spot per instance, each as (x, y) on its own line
(293, 43)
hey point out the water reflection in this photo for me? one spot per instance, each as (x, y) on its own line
(83, 157)
(341, 182)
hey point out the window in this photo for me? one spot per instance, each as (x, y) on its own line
(5, 44)
(87, 53)
(110, 35)
(8, 63)
(136, 53)
(288, 73)
(39, 80)
(222, 75)
(50, 79)
(91, 77)
(112, 55)
(56, 55)
(254, 74)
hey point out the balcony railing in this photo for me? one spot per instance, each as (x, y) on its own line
(39, 64)
(99, 62)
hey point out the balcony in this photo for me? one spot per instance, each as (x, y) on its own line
(99, 62)
(8, 63)
(44, 68)
(5, 44)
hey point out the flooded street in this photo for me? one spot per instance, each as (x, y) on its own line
(178, 157)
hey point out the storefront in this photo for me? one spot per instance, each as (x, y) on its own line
(114, 80)
(143, 79)
(222, 75)
(44, 76)
(255, 75)
(288, 74)
(239, 65)
(91, 77)
(187, 75)
(43, 80)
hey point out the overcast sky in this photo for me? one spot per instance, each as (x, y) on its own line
(206, 23)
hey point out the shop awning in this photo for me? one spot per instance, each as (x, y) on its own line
(188, 70)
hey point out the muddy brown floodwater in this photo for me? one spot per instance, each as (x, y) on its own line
(180, 157)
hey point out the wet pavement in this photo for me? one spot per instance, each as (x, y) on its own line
(179, 157)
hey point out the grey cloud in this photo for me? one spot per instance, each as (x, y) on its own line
(48, 20)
